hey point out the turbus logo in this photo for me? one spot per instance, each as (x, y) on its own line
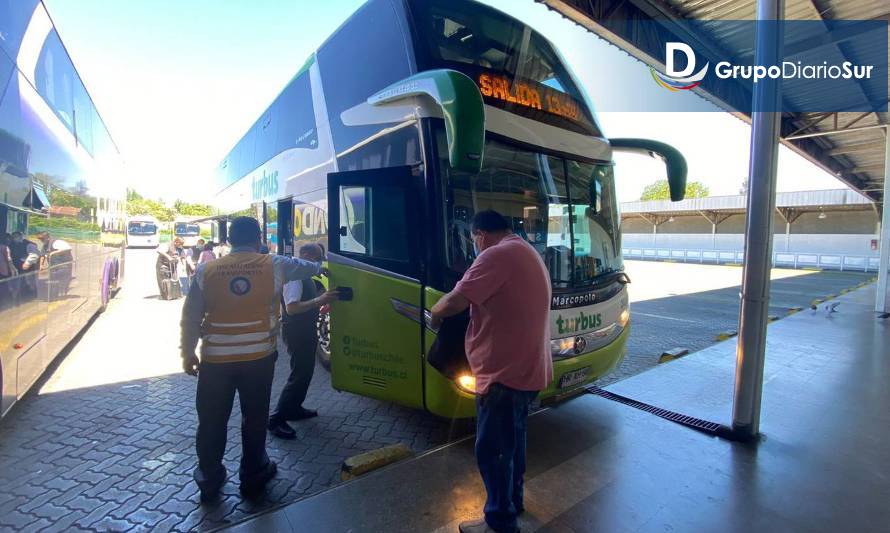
(265, 185)
(579, 322)
(679, 80)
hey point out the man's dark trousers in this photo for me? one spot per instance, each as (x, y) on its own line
(217, 383)
(501, 415)
(301, 339)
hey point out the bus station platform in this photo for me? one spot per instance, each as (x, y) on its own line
(822, 463)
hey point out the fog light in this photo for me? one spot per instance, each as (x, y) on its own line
(624, 318)
(564, 346)
(467, 383)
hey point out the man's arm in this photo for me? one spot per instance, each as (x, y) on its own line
(296, 308)
(294, 268)
(32, 258)
(451, 304)
(190, 324)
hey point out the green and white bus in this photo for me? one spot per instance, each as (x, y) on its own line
(410, 118)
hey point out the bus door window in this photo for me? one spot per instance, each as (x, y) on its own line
(377, 222)
(271, 225)
(285, 228)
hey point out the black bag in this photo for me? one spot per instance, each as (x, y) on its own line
(448, 354)
(171, 289)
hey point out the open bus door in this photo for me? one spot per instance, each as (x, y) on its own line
(375, 224)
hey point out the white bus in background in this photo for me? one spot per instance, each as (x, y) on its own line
(143, 231)
(187, 230)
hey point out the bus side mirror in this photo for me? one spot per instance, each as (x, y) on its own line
(673, 160)
(462, 108)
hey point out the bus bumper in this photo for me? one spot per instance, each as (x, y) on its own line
(444, 398)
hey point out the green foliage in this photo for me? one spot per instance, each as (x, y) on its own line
(37, 224)
(660, 190)
(143, 206)
(61, 197)
(192, 210)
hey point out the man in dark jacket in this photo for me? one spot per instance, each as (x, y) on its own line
(299, 318)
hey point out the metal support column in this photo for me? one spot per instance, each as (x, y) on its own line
(881, 289)
(761, 201)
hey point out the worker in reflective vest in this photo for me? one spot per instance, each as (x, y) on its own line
(233, 308)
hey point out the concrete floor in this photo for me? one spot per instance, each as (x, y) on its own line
(596, 465)
(106, 441)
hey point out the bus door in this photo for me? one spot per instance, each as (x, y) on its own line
(375, 224)
(285, 228)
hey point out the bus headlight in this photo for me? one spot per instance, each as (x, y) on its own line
(624, 318)
(564, 346)
(466, 383)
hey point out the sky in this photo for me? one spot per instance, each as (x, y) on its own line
(178, 83)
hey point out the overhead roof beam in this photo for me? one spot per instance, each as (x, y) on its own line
(853, 148)
(835, 132)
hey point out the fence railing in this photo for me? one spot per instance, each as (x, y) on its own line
(841, 262)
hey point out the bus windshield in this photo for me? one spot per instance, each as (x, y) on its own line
(565, 209)
(142, 228)
(184, 229)
(515, 67)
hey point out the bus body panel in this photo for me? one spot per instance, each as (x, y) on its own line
(58, 175)
(442, 395)
(374, 345)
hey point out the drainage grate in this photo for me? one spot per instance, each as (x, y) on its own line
(711, 428)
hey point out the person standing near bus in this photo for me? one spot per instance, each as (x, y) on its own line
(507, 289)
(233, 309)
(168, 261)
(299, 319)
(26, 259)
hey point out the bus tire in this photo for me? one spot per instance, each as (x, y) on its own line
(105, 285)
(323, 348)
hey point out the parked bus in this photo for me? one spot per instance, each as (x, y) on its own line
(62, 186)
(187, 230)
(453, 108)
(143, 231)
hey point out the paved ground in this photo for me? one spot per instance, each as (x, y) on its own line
(677, 305)
(106, 441)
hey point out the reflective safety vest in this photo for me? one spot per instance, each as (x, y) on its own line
(241, 308)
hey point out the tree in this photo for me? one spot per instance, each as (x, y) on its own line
(143, 206)
(660, 190)
(192, 210)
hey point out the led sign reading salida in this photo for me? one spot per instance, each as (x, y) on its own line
(525, 94)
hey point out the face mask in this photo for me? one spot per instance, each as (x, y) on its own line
(476, 249)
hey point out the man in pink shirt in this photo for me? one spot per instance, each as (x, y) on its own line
(507, 289)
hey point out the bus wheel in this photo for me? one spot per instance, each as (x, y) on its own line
(323, 351)
(105, 285)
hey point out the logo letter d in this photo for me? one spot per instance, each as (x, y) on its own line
(671, 49)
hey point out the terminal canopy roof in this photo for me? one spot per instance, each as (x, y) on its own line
(848, 145)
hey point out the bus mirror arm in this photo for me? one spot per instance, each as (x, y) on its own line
(462, 108)
(673, 160)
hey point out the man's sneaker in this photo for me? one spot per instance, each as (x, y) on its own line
(302, 413)
(282, 430)
(255, 487)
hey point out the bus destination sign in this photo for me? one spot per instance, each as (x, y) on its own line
(530, 95)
